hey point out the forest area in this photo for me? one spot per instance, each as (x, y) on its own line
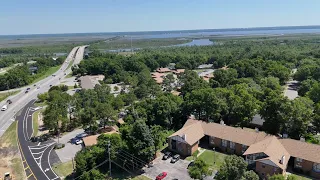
(252, 84)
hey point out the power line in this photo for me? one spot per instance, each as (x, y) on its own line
(129, 154)
(93, 168)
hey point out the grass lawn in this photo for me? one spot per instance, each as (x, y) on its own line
(7, 94)
(141, 177)
(63, 169)
(10, 136)
(35, 122)
(300, 177)
(214, 159)
(49, 72)
(40, 104)
(9, 140)
(69, 75)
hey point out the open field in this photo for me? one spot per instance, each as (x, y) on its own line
(10, 160)
(136, 43)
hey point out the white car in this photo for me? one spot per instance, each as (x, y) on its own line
(5, 107)
(78, 141)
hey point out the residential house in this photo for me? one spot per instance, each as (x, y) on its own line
(266, 154)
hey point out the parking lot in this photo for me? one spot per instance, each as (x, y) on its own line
(69, 151)
(176, 170)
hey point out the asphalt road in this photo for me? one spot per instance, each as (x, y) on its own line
(35, 156)
(21, 99)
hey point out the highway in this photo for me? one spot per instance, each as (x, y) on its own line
(21, 99)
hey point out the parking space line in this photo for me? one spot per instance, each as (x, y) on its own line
(26, 168)
(30, 175)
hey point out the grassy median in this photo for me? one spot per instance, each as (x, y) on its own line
(10, 160)
(3, 96)
(35, 124)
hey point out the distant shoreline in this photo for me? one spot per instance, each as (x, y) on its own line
(128, 33)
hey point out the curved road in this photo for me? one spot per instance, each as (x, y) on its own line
(35, 156)
(21, 99)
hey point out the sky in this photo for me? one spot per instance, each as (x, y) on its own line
(76, 16)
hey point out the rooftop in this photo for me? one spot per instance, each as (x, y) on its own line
(275, 148)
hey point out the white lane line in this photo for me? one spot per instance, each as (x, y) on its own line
(39, 164)
(39, 143)
(23, 122)
(50, 164)
(55, 177)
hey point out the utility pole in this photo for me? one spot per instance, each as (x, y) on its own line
(109, 145)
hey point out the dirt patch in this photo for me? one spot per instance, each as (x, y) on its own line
(42, 129)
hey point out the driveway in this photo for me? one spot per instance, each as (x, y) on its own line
(177, 170)
(69, 151)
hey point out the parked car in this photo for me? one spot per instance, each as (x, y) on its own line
(166, 155)
(161, 175)
(78, 141)
(191, 164)
(9, 101)
(81, 135)
(175, 158)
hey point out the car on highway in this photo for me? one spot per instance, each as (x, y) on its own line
(161, 176)
(5, 107)
(78, 141)
(53, 75)
(9, 101)
(166, 155)
(50, 85)
(175, 158)
(38, 87)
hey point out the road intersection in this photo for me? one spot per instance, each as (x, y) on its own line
(21, 99)
(37, 158)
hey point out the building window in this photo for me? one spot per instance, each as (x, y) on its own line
(298, 159)
(316, 167)
(244, 148)
(224, 143)
(211, 140)
(232, 145)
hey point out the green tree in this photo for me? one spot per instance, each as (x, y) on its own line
(106, 114)
(273, 111)
(199, 169)
(234, 167)
(305, 86)
(140, 142)
(314, 93)
(191, 81)
(299, 117)
(242, 105)
(168, 80)
(250, 175)
(225, 77)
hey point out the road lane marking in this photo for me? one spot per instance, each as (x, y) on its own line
(39, 143)
(50, 164)
(26, 168)
(30, 175)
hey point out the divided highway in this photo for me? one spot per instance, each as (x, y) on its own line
(21, 99)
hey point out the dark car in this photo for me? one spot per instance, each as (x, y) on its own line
(166, 155)
(9, 101)
(34, 139)
(175, 158)
(28, 89)
(191, 164)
